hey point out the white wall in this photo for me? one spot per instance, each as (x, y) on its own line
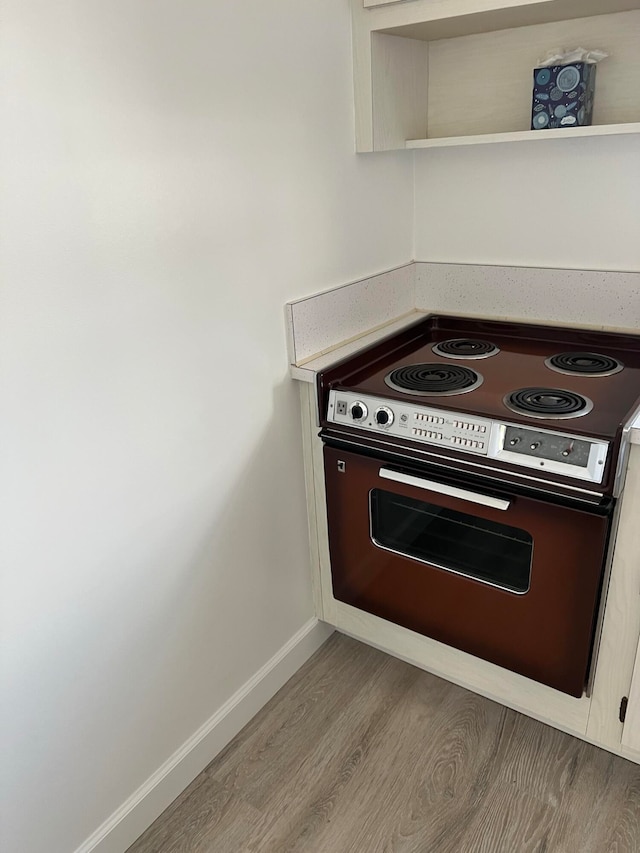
(174, 171)
(563, 203)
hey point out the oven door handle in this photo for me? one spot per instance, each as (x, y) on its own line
(442, 489)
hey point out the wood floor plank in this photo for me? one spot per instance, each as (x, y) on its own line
(264, 753)
(428, 781)
(570, 776)
(382, 787)
(210, 818)
(618, 828)
(298, 810)
(363, 753)
(509, 820)
(530, 745)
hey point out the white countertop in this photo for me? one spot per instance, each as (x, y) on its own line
(306, 370)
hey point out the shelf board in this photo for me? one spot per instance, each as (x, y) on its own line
(526, 135)
(431, 20)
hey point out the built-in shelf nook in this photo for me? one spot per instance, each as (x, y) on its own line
(438, 73)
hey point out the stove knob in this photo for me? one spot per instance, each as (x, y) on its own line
(358, 411)
(514, 441)
(535, 445)
(384, 416)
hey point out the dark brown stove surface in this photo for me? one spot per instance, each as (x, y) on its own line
(521, 362)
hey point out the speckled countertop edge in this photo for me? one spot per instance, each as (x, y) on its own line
(306, 370)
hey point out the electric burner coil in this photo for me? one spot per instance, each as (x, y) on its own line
(465, 348)
(433, 379)
(548, 403)
(584, 363)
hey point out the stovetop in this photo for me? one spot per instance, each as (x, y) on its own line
(490, 370)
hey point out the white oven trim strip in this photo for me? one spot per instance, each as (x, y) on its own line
(443, 489)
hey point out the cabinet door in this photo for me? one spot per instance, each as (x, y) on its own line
(631, 731)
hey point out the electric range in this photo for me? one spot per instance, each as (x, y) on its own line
(473, 471)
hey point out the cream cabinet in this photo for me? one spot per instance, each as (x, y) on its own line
(617, 682)
(631, 730)
(432, 73)
(629, 542)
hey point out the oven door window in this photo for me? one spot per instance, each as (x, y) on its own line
(487, 551)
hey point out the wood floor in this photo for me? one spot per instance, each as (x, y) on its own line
(362, 753)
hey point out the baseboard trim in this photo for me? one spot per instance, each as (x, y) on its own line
(139, 811)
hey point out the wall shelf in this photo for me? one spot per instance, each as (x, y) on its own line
(460, 72)
(526, 136)
(430, 20)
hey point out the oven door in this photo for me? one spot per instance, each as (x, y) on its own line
(509, 578)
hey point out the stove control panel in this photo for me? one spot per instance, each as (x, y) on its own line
(550, 446)
(550, 452)
(546, 451)
(410, 421)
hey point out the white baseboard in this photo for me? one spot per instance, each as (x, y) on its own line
(126, 824)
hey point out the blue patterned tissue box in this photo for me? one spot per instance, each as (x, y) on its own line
(563, 95)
